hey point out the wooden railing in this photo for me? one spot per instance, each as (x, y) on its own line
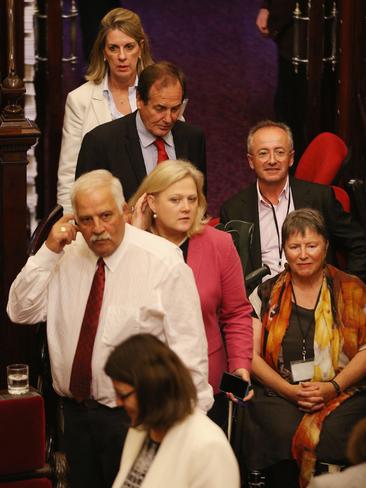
(17, 135)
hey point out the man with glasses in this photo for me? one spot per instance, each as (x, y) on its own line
(267, 202)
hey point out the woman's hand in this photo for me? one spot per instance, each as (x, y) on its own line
(310, 396)
(244, 374)
(315, 394)
(141, 213)
(293, 393)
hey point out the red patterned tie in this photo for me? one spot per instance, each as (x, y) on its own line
(81, 373)
(162, 154)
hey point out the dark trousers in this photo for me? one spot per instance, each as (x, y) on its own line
(219, 411)
(93, 437)
(291, 103)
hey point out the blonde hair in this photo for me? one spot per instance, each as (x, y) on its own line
(99, 178)
(127, 22)
(163, 176)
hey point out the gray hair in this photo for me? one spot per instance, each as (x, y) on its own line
(301, 220)
(99, 178)
(266, 124)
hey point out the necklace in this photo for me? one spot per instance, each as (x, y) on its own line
(300, 324)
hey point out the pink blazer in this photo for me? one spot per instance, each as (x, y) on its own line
(225, 308)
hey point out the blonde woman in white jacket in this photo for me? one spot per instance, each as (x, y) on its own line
(120, 52)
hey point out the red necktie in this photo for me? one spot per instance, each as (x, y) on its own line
(81, 373)
(162, 154)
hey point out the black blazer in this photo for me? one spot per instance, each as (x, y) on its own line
(115, 146)
(344, 233)
(280, 23)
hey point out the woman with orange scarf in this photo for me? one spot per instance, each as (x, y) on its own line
(309, 360)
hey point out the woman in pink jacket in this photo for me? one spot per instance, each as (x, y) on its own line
(170, 203)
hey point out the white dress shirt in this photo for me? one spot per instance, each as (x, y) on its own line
(148, 289)
(271, 243)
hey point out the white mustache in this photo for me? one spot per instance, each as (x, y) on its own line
(101, 237)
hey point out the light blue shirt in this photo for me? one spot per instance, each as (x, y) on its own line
(108, 95)
(149, 150)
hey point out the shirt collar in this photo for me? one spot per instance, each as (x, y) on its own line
(284, 193)
(146, 137)
(113, 260)
(107, 92)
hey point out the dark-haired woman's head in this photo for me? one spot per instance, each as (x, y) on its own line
(151, 382)
(305, 243)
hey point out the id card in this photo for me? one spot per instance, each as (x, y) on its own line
(302, 370)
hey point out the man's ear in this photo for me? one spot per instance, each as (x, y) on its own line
(292, 157)
(139, 102)
(249, 156)
(126, 212)
(151, 202)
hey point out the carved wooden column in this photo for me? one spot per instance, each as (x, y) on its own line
(17, 134)
(56, 35)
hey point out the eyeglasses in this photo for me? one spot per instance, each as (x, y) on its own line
(279, 154)
(124, 396)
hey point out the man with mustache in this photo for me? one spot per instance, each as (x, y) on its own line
(130, 147)
(97, 280)
(267, 202)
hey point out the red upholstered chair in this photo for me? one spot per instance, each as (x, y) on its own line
(35, 483)
(322, 159)
(23, 442)
(343, 198)
(214, 221)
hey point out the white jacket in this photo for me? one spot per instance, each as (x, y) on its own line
(354, 477)
(194, 454)
(86, 108)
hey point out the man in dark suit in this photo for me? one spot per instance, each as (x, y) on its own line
(267, 202)
(127, 147)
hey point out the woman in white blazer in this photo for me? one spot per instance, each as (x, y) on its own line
(170, 442)
(120, 52)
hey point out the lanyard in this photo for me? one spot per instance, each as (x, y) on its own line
(280, 250)
(300, 325)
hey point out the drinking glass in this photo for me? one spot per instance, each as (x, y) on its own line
(18, 378)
